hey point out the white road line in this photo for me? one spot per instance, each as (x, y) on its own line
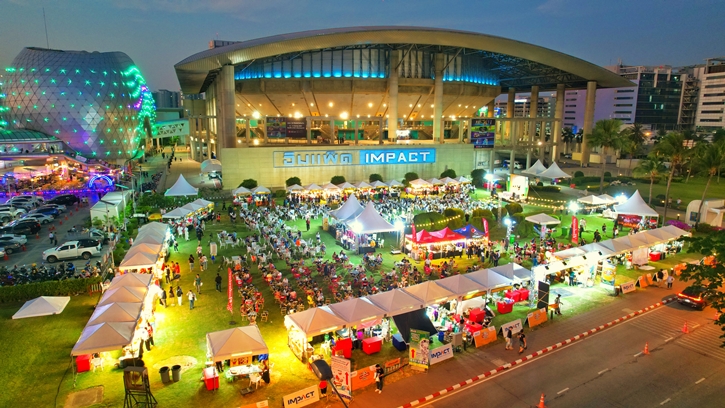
(668, 339)
(603, 371)
(665, 401)
(638, 354)
(700, 380)
(562, 391)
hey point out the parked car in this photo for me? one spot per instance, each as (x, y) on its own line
(23, 198)
(20, 239)
(89, 243)
(46, 211)
(12, 247)
(65, 199)
(693, 296)
(59, 207)
(23, 227)
(70, 250)
(11, 213)
(41, 218)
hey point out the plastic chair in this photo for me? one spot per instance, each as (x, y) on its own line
(265, 316)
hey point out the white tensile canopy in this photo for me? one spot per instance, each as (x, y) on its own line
(315, 321)
(512, 271)
(116, 312)
(261, 190)
(369, 222)
(313, 187)
(463, 179)
(293, 187)
(395, 302)
(593, 200)
(137, 280)
(542, 219)
(596, 247)
(350, 209)
(137, 258)
(102, 337)
(180, 212)
(570, 253)
(362, 184)
(430, 293)
(330, 187)
(395, 183)
(536, 169)
(448, 180)
(607, 198)
(434, 181)
(42, 306)
(676, 232)
(236, 342)
(554, 172)
(242, 191)
(154, 226)
(150, 238)
(357, 310)
(346, 186)
(181, 188)
(419, 183)
(635, 205)
(489, 279)
(202, 202)
(193, 206)
(461, 285)
(207, 166)
(123, 294)
(379, 184)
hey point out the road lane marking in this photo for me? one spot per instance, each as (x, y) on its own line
(668, 339)
(562, 391)
(700, 380)
(638, 354)
(665, 401)
(603, 371)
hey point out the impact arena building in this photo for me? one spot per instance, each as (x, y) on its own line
(386, 100)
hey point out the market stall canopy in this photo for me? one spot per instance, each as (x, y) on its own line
(236, 342)
(448, 180)
(357, 311)
(635, 205)
(420, 183)
(181, 188)
(369, 221)
(293, 187)
(463, 180)
(569, 253)
(350, 209)
(676, 232)
(446, 235)
(554, 172)
(461, 285)
(434, 181)
(207, 166)
(395, 183)
(395, 302)
(632, 241)
(149, 248)
(244, 191)
(617, 247)
(536, 169)
(123, 294)
(596, 247)
(261, 190)
(135, 259)
(346, 186)
(430, 293)
(650, 239)
(592, 200)
(315, 321)
(422, 237)
(512, 271)
(362, 184)
(313, 187)
(180, 212)
(202, 202)
(606, 197)
(98, 338)
(330, 187)
(379, 184)
(134, 280)
(148, 239)
(542, 219)
(116, 312)
(489, 278)
(155, 226)
(470, 232)
(42, 306)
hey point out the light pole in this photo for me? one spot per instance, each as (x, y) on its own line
(400, 227)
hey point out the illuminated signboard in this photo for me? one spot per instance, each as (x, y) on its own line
(323, 158)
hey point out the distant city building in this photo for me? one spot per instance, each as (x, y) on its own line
(166, 99)
(711, 101)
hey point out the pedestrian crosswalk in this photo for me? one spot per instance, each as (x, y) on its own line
(705, 340)
(662, 322)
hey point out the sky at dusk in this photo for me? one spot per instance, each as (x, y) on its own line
(157, 34)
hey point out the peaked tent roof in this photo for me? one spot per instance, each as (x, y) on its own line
(313, 187)
(469, 231)
(635, 205)
(139, 280)
(242, 191)
(554, 172)
(569, 253)
(395, 183)
(512, 271)
(395, 302)
(420, 183)
(379, 184)
(357, 310)
(460, 284)
(346, 186)
(676, 232)
(448, 180)
(318, 320)
(154, 226)
(293, 187)
(42, 306)
(609, 199)
(180, 212)
(536, 169)
(350, 209)
(261, 190)
(370, 221)
(430, 292)
(593, 200)
(138, 259)
(362, 184)
(116, 312)
(148, 239)
(488, 278)
(202, 202)
(542, 219)
(434, 181)
(330, 187)
(422, 237)
(596, 247)
(245, 340)
(207, 166)
(181, 188)
(463, 179)
(447, 235)
(123, 294)
(101, 337)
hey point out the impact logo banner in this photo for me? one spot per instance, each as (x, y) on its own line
(302, 397)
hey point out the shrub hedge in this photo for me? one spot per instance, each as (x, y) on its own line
(29, 291)
(550, 189)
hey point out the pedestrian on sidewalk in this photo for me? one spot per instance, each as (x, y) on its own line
(179, 294)
(660, 277)
(176, 246)
(192, 298)
(670, 280)
(558, 304)
(162, 298)
(198, 283)
(509, 336)
(171, 294)
(323, 389)
(379, 372)
(522, 342)
(218, 281)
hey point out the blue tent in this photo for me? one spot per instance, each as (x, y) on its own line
(469, 231)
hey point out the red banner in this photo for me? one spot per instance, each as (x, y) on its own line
(574, 230)
(230, 293)
(485, 226)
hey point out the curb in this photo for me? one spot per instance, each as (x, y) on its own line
(536, 354)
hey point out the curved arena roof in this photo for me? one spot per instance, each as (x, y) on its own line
(520, 65)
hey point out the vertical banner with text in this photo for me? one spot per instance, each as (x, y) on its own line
(419, 352)
(574, 230)
(230, 293)
(341, 375)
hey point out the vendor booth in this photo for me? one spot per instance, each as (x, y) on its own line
(430, 293)
(242, 350)
(395, 302)
(358, 312)
(366, 224)
(307, 327)
(536, 169)
(543, 221)
(434, 245)
(634, 212)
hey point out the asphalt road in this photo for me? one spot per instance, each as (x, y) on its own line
(608, 370)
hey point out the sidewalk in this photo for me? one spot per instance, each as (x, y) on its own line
(473, 362)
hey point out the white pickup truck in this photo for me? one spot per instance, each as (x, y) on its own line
(10, 213)
(71, 250)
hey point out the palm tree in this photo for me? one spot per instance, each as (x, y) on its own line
(673, 148)
(710, 161)
(567, 136)
(635, 138)
(651, 167)
(607, 134)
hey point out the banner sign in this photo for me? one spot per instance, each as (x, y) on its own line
(419, 351)
(484, 336)
(230, 293)
(302, 398)
(515, 325)
(322, 158)
(441, 353)
(341, 375)
(574, 230)
(483, 132)
(397, 156)
(536, 317)
(363, 377)
(627, 287)
(485, 226)
(276, 127)
(297, 128)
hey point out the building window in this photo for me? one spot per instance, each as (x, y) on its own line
(623, 97)
(715, 86)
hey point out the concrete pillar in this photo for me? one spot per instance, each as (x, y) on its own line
(558, 122)
(226, 109)
(357, 122)
(247, 133)
(308, 126)
(207, 143)
(491, 157)
(462, 129)
(490, 107)
(392, 96)
(438, 99)
(510, 107)
(588, 119)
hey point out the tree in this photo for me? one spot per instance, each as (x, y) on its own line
(337, 180)
(635, 138)
(449, 173)
(567, 136)
(718, 135)
(249, 184)
(411, 176)
(709, 273)
(606, 135)
(710, 162)
(672, 148)
(651, 167)
(292, 181)
(477, 177)
(375, 177)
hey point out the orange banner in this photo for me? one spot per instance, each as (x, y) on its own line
(485, 336)
(363, 377)
(642, 281)
(536, 317)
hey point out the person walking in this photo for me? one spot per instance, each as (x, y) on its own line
(162, 298)
(660, 277)
(172, 294)
(307, 222)
(150, 340)
(218, 281)
(379, 372)
(198, 283)
(191, 262)
(670, 280)
(168, 274)
(522, 342)
(558, 304)
(192, 298)
(203, 262)
(176, 246)
(509, 336)
(53, 241)
(179, 294)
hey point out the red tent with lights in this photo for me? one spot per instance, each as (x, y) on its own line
(447, 235)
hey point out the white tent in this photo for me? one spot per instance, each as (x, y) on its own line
(154, 226)
(313, 187)
(180, 212)
(395, 302)
(489, 279)
(261, 190)
(461, 285)
(315, 321)
(42, 306)
(116, 312)
(536, 169)
(553, 172)
(207, 166)
(132, 280)
(596, 247)
(676, 232)
(420, 183)
(103, 209)
(448, 180)
(430, 293)
(592, 200)
(102, 337)
(137, 258)
(150, 238)
(434, 181)
(636, 206)
(362, 184)
(569, 253)
(350, 209)
(542, 219)
(607, 198)
(346, 186)
(243, 191)
(512, 271)
(379, 184)
(330, 187)
(123, 294)
(357, 310)
(236, 342)
(463, 179)
(369, 221)
(395, 183)
(292, 188)
(181, 188)
(201, 202)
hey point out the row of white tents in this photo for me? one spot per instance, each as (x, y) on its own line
(148, 247)
(368, 309)
(539, 170)
(361, 220)
(188, 209)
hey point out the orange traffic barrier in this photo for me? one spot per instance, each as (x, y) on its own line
(646, 348)
(685, 329)
(541, 402)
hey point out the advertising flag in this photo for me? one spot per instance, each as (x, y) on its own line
(230, 293)
(574, 230)
(485, 226)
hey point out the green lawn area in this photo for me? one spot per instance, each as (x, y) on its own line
(37, 351)
(686, 191)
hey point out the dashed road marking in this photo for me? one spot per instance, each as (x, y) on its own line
(603, 371)
(562, 391)
(700, 380)
(665, 401)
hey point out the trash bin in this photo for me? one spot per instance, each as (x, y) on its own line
(164, 371)
(176, 373)
(441, 336)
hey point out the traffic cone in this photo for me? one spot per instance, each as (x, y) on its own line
(37, 236)
(541, 402)
(685, 329)
(646, 349)
(66, 218)
(61, 222)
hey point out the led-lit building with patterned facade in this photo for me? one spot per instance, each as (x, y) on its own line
(89, 104)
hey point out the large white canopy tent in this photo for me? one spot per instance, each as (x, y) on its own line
(542, 219)
(536, 169)
(181, 212)
(97, 338)
(329, 187)
(554, 172)
(293, 188)
(362, 184)
(395, 302)
(350, 209)
(42, 306)
(434, 181)
(369, 222)
(261, 190)
(137, 258)
(395, 183)
(463, 179)
(461, 284)
(420, 183)
(448, 180)
(123, 294)
(357, 311)
(313, 187)
(606, 197)
(243, 191)
(207, 166)
(489, 279)
(512, 271)
(116, 312)
(181, 188)
(635, 205)
(379, 184)
(236, 342)
(315, 321)
(593, 200)
(430, 293)
(138, 280)
(346, 186)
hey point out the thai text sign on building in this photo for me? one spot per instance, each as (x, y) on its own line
(320, 158)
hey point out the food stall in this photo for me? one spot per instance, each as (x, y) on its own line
(361, 315)
(242, 350)
(366, 224)
(309, 327)
(434, 245)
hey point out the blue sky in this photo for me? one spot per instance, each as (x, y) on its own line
(156, 34)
